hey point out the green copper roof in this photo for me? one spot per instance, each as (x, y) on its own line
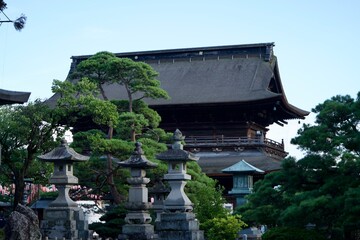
(242, 167)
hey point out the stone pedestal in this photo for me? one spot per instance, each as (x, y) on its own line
(179, 226)
(64, 222)
(137, 232)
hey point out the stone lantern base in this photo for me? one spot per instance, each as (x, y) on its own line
(179, 226)
(137, 232)
(64, 223)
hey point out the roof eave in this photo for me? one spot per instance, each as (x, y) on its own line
(181, 50)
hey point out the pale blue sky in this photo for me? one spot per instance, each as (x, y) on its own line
(317, 42)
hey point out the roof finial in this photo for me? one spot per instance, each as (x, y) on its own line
(63, 142)
(138, 150)
(178, 137)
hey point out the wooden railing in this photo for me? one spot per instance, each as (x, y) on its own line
(223, 141)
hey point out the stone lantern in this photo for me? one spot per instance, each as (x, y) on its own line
(138, 218)
(178, 222)
(63, 218)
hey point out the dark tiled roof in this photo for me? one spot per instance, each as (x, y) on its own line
(211, 75)
(210, 81)
(11, 97)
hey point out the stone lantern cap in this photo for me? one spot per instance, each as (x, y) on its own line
(137, 159)
(63, 153)
(177, 153)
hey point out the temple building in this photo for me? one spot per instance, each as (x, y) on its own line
(223, 99)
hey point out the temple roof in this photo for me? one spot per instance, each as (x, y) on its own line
(212, 75)
(210, 81)
(243, 167)
(11, 97)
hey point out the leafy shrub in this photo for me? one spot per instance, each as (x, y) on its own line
(49, 195)
(223, 228)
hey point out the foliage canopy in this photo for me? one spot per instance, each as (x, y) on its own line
(25, 132)
(321, 189)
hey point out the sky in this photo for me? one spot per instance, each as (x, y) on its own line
(317, 43)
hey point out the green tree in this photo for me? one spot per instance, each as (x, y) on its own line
(205, 194)
(19, 23)
(143, 120)
(113, 222)
(322, 188)
(135, 121)
(93, 174)
(137, 78)
(102, 69)
(336, 132)
(25, 132)
(223, 228)
(81, 100)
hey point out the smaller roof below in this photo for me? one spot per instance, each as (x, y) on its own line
(242, 167)
(11, 97)
(212, 163)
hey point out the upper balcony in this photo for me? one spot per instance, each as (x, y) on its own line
(220, 143)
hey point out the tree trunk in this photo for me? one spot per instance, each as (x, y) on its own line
(132, 133)
(110, 175)
(110, 181)
(103, 92)
(109, 168)
(19, 189)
